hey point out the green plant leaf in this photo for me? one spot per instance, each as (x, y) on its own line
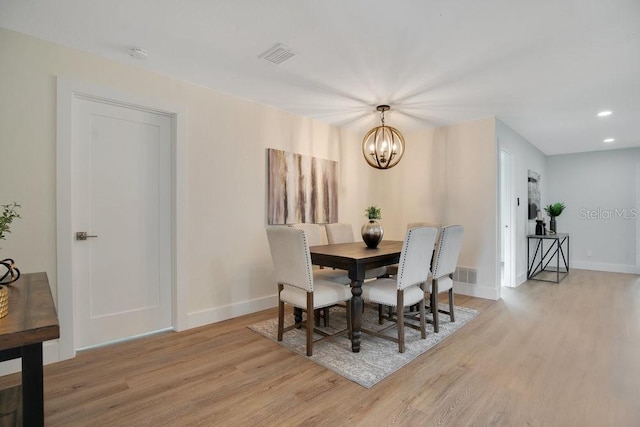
(554, 209)
(373, 212)
(9, 213)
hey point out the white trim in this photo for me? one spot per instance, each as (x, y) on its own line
(67, 90)
(638, 218)
(601, 266)
(485, 292)
(521, 278)
(218, 314)
(510, 183)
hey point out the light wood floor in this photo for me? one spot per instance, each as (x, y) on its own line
(546, 354)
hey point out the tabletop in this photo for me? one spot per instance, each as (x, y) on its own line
(32, 315)
(548, 236)
(343, 255)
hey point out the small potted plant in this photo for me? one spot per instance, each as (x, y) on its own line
(553, 211)
(9, 213)
(372, 231)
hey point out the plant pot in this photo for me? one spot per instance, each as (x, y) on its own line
(4, 301)
(372, 233)
(552, 225)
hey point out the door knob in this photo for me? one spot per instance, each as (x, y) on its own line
(82, 235)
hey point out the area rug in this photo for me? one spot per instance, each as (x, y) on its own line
(378, 358)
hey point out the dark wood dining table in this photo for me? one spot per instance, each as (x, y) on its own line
(356, 257)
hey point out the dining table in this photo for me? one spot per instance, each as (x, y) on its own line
(356, 258)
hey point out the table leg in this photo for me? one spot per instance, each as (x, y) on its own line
(356, 315)
(32, 385)
(558, 260)
(297, 316)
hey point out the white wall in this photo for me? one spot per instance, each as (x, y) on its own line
(449, 175)
(599, 190)
(524, 157)
(469, 186)
(229, 268)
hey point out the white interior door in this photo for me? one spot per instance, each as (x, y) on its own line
(507, 259)
(121, 190)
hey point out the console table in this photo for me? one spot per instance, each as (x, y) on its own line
(32, 319)
(541, 259)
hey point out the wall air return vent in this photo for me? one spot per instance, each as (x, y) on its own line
(277, 54)
(466, 275)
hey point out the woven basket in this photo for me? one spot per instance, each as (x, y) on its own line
(4, 301)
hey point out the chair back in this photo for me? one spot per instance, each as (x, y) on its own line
(429, 224)
(339, 233)
(425, 224)
(446, 257)
(313, 232)
(291, 257)
(413, 268)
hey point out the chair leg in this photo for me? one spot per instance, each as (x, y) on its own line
(400, 320)
(434, 306)
(451, 313)
(423, 328)
(309, 324)
(326, 316)
(380, 316)
(316, 317)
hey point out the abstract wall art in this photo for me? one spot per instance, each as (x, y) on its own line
(534, 194)
(301, 189)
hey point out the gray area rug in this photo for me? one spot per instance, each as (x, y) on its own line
(378, 358)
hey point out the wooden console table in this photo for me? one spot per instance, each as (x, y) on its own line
(541, 258)
(32, 319)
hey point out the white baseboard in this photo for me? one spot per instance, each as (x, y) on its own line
(218, 314)
(521, 278)
(601, 266)
(49, 355)
(476, 291)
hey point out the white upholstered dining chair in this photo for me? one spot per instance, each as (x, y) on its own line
(444, 265)
(406, 288)
(297, 284)
(314, 234)
(393, 269)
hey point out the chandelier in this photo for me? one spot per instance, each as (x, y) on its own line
(383, 146)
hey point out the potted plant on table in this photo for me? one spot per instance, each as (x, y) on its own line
(553, 211)
(372, 231)
(9, 213)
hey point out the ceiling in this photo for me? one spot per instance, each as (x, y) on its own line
(545, 68)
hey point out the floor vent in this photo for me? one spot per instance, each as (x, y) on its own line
(277, 54)
(466, 275)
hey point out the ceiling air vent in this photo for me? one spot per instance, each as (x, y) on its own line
(277, 54)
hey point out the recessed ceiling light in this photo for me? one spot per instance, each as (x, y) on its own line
(609, 140)
(604, 113)
(138, 53)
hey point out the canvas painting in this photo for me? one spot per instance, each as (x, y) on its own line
(534, 194)
(301, 189)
